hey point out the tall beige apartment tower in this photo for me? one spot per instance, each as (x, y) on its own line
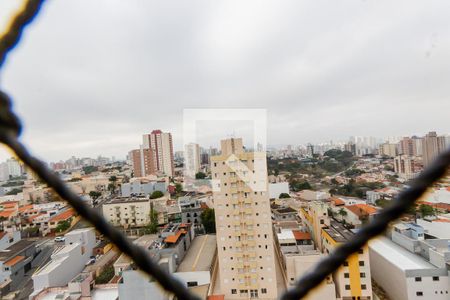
(432, 146)
(245, 245)
(162, 146)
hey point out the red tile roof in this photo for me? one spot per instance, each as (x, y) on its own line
(442, 220)
(14, 260)
(25, 208)
(63, 216)
(216, 297)
(6, 213)
(172, 239)
(300, 235)
(2, 234)
(337, 201)
(361, 210)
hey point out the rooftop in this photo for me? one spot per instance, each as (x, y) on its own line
(14, 260)
(200, 255)
(127, 200)
(397, 255)
(15, 249)
(338, 232)
(62, 216)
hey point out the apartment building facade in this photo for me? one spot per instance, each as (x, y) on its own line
(127, 212)
(245, 240)
(162, 147)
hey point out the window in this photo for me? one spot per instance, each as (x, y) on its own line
(363, 287)
(361, 263)
(419, 293)
(253, 293)
(346, 275)
(192, 283)
(322, 221)
(263, 291)
(345, 263)
(435, 278)
(360, 251)
(418, 279)
(347, 287)
(362, 275)
(233, 291)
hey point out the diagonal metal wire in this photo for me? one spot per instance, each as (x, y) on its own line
(399, 206)
(30, 8)
(10, 128)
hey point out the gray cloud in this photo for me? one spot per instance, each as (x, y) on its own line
(91, 76)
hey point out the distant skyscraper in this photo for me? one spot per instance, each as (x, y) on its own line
(432, 145)
(388, 149)
(162, 146)
(405, 167)
(418, 145)
(14, 167)
(350, 147)
(310, 150)
(407, 146)
(192, 160)
(243, 221)
(143, 162)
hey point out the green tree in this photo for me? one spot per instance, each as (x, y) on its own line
(156, 195)
(63, 226)
(299, 186)
(426, 210)
(152, 227)
(208, 220)
(200, 175)
(178, 188)
(342, 212)
(89, 169)
(14, 191)
(106, 275)
(284, 195)
(330, 212)
(94, 195)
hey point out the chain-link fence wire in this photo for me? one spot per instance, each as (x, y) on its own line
(10, 129)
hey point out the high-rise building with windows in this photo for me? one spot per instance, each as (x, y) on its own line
(192, 160)
(243, 222)
(407, 146)
(142, 161)
(162, 146)
(432, 145)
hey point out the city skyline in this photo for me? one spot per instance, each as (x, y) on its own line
(4, 154)
(91, 93)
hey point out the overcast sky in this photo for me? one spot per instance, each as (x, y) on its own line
(91, 76)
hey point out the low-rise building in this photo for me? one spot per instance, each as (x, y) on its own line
(191, 209)
(15, 261)
(275, 189)
(127, 212)
(67, 261)
(352, 279)
(143, 186)
(410, 266)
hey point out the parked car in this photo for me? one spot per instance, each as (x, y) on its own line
(91, 261)
(60, 239)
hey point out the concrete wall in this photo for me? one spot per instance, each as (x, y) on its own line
(147, 188)
(67, 262)
(275, 189)
(388, 276)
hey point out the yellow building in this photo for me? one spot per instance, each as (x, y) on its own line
(352, 279)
